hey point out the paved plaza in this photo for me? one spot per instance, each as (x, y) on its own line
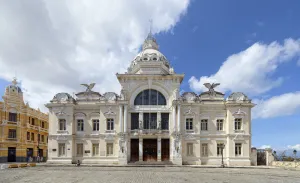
(147, 175)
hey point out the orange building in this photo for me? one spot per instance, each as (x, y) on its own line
(23, 130)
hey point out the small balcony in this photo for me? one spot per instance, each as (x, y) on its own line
(33, 127)
(43, 129)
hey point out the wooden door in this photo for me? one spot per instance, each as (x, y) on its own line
(11, 154)
(165, 149)
(150, 150)
(134, 150)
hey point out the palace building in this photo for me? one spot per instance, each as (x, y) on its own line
(23, 130)
(149, 121)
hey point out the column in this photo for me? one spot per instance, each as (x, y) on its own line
(158, 122)
(174, 117)
(178, 118)
(140, 149)
(159, 149)
(125, 118)
(120, 118)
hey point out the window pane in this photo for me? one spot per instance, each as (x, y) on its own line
(150, 97)
(134, 121)
(165, 121)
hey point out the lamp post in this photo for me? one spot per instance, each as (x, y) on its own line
(222, 156)
(295, 153)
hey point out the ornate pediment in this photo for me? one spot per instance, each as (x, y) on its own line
(109, 96)
(109, 112)
(189, 112)
(239, 112)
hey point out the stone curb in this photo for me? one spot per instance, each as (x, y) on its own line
(19, 165)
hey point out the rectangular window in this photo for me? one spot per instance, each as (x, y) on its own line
(39, 139)
(220, 124)
(28, 135)
(109, 149)
(32, 136)
(43, 124)
(61, 150)
(165, 121)
(134, 121)
(12, 133)
(29, 119)
(95, 124)
(110, 124)
(238, 149)
(95, 149)
(190, 149)
(204, 124)
(80, 125)
(189, 123)
(150, 120)
(62, 124)
(220, 146)
(237, 123)
(79, 149)
(204, 150)
(43, 139)
(12, 117)
(32, 121)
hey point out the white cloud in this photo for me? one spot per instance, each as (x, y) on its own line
(251, 70)
(265, 146)
(53, 46)
(282, 105)
(297, 147)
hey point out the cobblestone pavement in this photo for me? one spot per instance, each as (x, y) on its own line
(147, 174)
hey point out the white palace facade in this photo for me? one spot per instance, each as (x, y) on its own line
(149, 121)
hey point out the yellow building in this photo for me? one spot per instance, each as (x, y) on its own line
(23, 130)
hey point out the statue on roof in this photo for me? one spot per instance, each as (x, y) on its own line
(211, 87)
(89, 87)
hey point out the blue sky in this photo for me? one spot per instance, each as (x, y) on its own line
(213, 30)
(197, 37)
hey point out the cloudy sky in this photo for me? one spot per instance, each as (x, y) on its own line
(250, 46)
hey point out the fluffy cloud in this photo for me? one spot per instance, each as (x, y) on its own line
(53, 46)
(265, 146)
(297, 147)
(250, 70)
(282, 105)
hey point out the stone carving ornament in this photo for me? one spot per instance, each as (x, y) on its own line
(211, 87)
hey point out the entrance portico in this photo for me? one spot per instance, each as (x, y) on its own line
(150, 150)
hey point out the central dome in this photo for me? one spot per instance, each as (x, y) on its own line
(150, 55)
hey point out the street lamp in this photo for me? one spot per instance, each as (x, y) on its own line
(295, 153)
(222, 147)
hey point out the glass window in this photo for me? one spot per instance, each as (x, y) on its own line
(220, 146)
(61, 149)
(189, 124)
(32, 136)
(204, 124)
(80, 125)
(110, 124)
(150, 97)
(12, 117)
(32, 121)
(12, 133)
(237, 123)
(204, 149)
(95, 149)
(109, 149)
(62, 124)
(150, 120)
(28, 135)
(165, 121)
(220, 124)
(134, 121)
(238, 149)
(95, 124)
(43, 138)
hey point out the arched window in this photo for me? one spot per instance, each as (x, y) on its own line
(150, 97)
